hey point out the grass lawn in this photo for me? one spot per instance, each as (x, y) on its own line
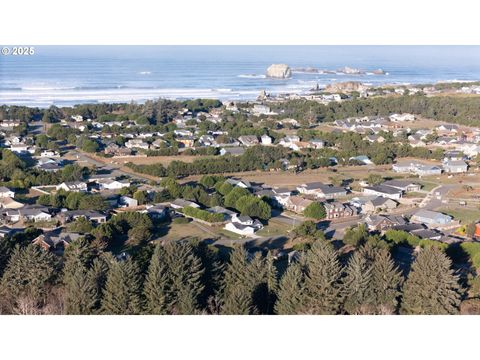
(181, 231)
(229, 234)
(465, 215)
(426, 185)
(274, 228)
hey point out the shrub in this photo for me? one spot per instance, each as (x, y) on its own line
(202, 214)
(315, 210)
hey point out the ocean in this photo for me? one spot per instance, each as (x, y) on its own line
(68, 75)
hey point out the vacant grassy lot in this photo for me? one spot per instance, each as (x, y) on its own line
(183, 231)
(464, 214)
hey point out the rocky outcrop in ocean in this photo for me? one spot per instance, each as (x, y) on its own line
(279, 71)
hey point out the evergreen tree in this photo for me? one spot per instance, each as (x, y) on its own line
(357, 290)
(240, 274)
(156, 284)
(80, 293)
(185, 273)
(79, 253)
(386, 281)
(322, 280)
(98, 277)
(238, 302)
(271, 275)
(122, 289)
(431, 287)
(290, 294)
(28, 274)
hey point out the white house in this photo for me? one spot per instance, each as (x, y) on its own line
(6, 192)
(127, 201)
(266, 140)
(49, 153)
(243, 225)
(109, 184)
(136, 144)
(383, 191)
(73, 186)
(455, 166)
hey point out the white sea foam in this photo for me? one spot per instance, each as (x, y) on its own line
(252, 76)
(145, 72)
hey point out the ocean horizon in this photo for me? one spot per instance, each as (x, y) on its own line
(69, 75)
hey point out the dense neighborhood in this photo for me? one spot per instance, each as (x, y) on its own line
(265, 181)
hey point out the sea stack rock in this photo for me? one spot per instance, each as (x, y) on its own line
(379, 72)
(279, 71)
(345, 87)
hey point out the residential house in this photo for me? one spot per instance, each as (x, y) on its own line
(317, 144)
(116, 150)
(248, 140)
(158, 211)
(137, 144)
(321, 190)
(431, 218)
(233, 151)
(127, 201)
(109, 184)
(266, 140)
(297, 204)
(76, 186)
(378, 204)
(238, 182)
(427, 170)
(186, 141)
(429, 234)
(19, 148)
(207, 140)
(55, 241)
(6, 192)
(91, 215)
(336, 209)
(383, 191)
(35, 213)
(243, 225)
(454, 155)
(362, 159)
(402, 117)
(404, 185)
(11, 215)
(383, 222)
(228, 214)
(416, 167)
(181, 203)
(448, 128)
(455, 166)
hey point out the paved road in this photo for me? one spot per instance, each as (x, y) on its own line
(116, 171)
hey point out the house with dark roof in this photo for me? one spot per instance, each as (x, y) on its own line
(383, 191)
(321, 190)
(404, 185)
(383, 222)
(336, 209)
(90, 215)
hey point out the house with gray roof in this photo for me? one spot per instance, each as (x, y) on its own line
(404, 185)
(383, 191)
(455, 166)
(431, 218)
